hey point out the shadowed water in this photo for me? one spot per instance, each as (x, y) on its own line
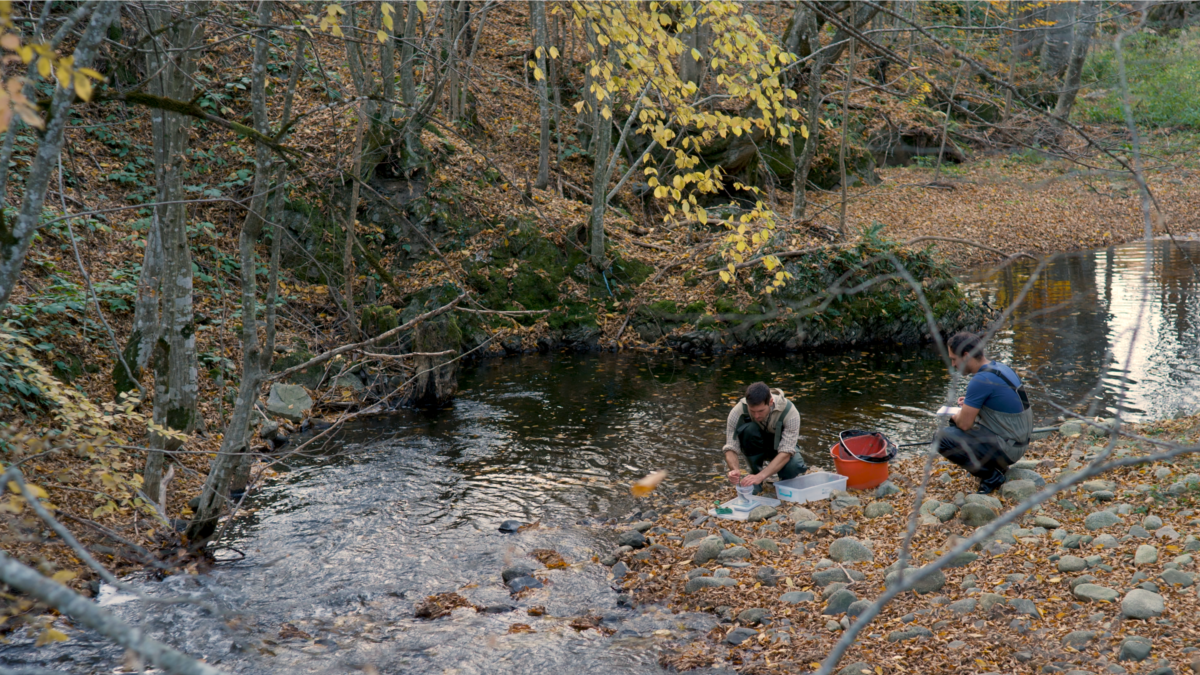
(343, 547)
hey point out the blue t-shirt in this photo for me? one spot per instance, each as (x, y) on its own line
(988, 390)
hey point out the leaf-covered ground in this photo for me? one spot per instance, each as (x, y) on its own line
(948, 629)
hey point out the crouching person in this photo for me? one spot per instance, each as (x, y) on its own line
(764, 427)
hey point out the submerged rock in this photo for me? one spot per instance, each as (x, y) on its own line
(289, 401)
(511, 526)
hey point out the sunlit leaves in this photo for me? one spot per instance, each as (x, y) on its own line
(50, 635)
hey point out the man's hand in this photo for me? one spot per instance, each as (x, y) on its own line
(961, 399)
(734, 476)
(752, 479)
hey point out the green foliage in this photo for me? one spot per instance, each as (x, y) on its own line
(1163, 72)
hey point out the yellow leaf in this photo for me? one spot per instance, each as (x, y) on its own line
(804, 130)
(50, 635)
(770, 262)
(538, 76)
(696, 55)
(63, 576)
(579, 107)
(83, 87)
(678, 182)
(537, 53)
(725, 276)
(381, 35)
(606, 113)
(554, 52)
(26, 53)
(44, 67)
(423, 6)
(647, 485)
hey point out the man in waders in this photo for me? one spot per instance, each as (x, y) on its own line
(992, 429)
(764, 426)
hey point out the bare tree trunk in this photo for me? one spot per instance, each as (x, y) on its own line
(556, 39)
(1085, 27)
(16, 236)
(600, 175)
(171, 58)
(408, 88)
(691, 69)
(145, 315)
(845, 132)
(351, 218)
(449, 47)
(537, 12)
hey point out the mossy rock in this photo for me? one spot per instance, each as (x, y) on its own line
(379, 319)
(309, 377)
(68, 367)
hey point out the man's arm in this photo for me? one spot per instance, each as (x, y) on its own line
(965, 419)
(732, 446)
(769, 470)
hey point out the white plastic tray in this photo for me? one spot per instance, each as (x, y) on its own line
(739, 514)
(810, 487)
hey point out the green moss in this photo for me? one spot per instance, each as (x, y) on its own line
(309, 377)
(663, 307)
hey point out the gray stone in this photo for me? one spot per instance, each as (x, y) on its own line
(831, 589)
(842, 500)
(1167, 532)
(1178, 578)
(709, 548)
(809, 526)
(848, 549)
(753, 616)
(1095, 593)
(878, 510)
(761, 512)
(1139, 532)
(963, 559)
(515, 570)
(946, 512)
(1142, 604)
(1046, 522)
(699, 572)
(977, 515)
(289, 401)
(739, 635)
(1079, 639)
(767, 576)
(1100, 520)
(796, 597)
(730, 538)
(909, 634)
(518, 584)
(845, 529)
(832, 576)
(1071, 563)
(1017, 490)
(1106, 541)
(859, 668)
(1135, 648)
(1026, 607)
(768, 545)
(1152, 523)
(1098, 485)
(930, 584)
(1145, 555)
(620, 570)
(1025, 474)
(693, 537)
(839, 602)
(857, 607)
(886, 489)
(799, 514)
(1072, 541)
(987, 500)
(832, 626)
(642, 526)
(1104, 495)
(929, 506)
(735, 553)
(698, 583)
(963, 606)
(632, 538)
(989, 600)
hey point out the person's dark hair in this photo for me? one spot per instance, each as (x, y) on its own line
(758, 394)
(965, 345)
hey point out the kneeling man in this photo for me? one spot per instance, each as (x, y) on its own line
(764, 426)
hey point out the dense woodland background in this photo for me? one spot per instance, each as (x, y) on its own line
(202, 199)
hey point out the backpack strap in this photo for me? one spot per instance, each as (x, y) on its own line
(1011, 385)
(779, 429)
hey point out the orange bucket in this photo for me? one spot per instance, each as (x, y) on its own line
(861, 474)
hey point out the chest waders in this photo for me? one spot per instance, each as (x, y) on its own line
(1014, 428)
(760, 445)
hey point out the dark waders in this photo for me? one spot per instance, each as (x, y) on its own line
(760, 446)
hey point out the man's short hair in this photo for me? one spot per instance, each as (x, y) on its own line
(758, 394)
(966, 345)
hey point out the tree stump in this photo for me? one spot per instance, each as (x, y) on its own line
(436, 376)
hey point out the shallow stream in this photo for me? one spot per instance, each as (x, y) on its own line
(342, 547)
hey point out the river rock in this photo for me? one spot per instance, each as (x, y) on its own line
(1047, 522)
(698, 583)
(1016, 474)
(928, 506)
(1178, 578)
(731, 538)
(809, 526)
(620, 570)
(859, 668)
(739, 635)
(1106, 541)
(1141, 604)
(977, 515)
(799, 514)
(842, 500)
(1152, 523)
(753, 616)
(796, 597)
(989, 600)
(735, 553)
(511, 526)
(1135, 648)
(986, 500)
(642, 526)
(962, 559)
(1071, 563)
(878, 510)
(761, 512)
(518, 584)
(1026, 607)
(930, 584)
(886, 489)
(1098, 485)
(946, 512)
(767, 545)
(1072, 428)
(857, 607)
(699, 572)
(909, 634)
(831, 589)
(632, 538)
(823, 578)
(1100, 520)
(962, 607)
(1104, 495)
(709, 548)
(839, 602)
(515, 570)
(1139, 532)
(693, 537)
(1078, 639)
(849, 549)
(289, 401)
(1017, 490)
(1095, 593)
(1145, 555)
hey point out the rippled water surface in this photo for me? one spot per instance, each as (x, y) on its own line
(344, 546)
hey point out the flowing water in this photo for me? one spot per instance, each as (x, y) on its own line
(342, 547)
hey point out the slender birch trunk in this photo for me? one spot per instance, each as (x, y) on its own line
(537, 11)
